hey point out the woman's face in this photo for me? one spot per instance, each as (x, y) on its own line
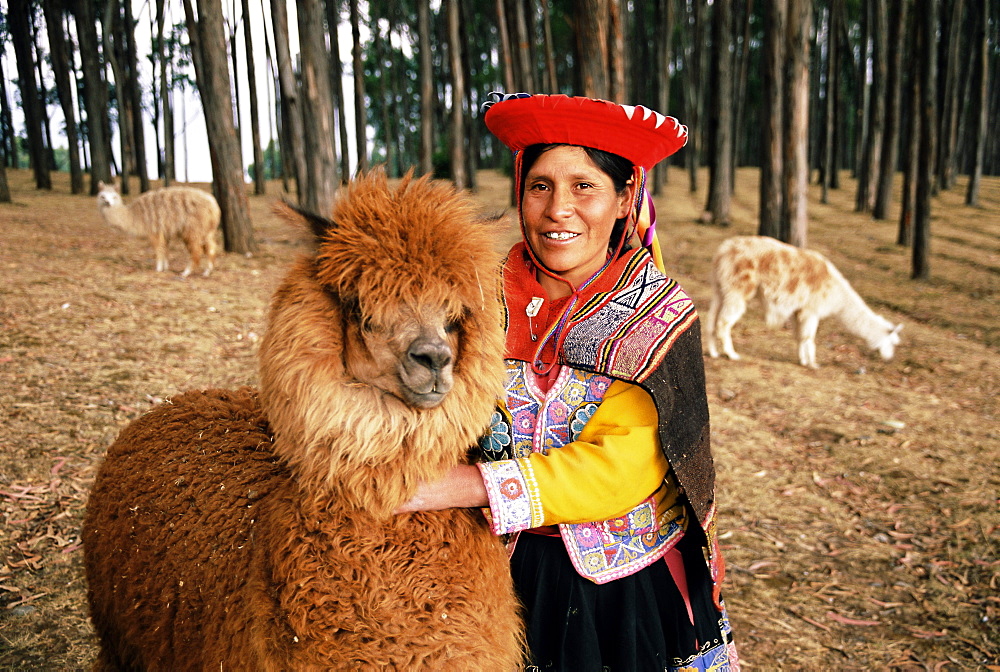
(569, 208)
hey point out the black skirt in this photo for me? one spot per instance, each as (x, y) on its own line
(638, 623)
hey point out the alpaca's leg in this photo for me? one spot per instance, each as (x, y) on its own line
(713, 315)
(193, 246)
(210, 251)
(805, 331)
(732, 309)
(160, 247)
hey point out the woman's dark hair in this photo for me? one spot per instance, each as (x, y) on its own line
(619, 169)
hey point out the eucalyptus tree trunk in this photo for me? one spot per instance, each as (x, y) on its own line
(911, 150)
(321, 179)
(720, 191)
(337, 85)
(208, 49)
(830, 107)
(694, 89)
(4, 189)
(94, 94)
(619, 91)
(427, 85)
(552, 83)
(980, 90)
(360, 110)
(947, 136)
(259, 181)
(135, 98)
(113, 54)
(772, 116)
(457, 97)
(60, 60)
(890, 146)
(796, 141)
(593, 19)
(166, 113)
(505, 48)
(525, 69)
(20, 33)
(43, 96)
(928, 141)
(664, 55)
(291, 104)
(8, 142)
(868, 168)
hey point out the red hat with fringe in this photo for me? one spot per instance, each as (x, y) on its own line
(634, 132)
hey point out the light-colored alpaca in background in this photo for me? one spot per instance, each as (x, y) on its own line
(163, 214)
(231, 530)
(790, 283)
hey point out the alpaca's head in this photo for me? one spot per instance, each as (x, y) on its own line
(383, 354)
(107, 196)
(886, 344)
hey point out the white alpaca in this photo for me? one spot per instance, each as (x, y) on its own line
(175, 212)
(790, 283)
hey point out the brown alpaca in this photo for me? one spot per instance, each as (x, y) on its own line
(791, 283)
(237, 530)
(164, 214)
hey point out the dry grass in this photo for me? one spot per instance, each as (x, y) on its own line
(859, 503)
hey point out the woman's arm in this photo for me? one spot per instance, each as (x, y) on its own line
(462, 487)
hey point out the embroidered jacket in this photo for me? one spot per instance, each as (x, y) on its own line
(636, 327)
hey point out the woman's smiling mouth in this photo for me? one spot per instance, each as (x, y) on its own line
(560, 235)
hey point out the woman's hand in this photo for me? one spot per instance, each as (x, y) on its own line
(462, 487)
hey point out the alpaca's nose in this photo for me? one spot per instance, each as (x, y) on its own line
(430, 353)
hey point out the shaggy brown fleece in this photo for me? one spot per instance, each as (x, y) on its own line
(230, 532)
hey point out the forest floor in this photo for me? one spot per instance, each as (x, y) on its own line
(859, 505)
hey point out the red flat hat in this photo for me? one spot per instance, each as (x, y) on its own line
(634, 132)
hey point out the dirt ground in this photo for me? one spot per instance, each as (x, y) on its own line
(859, 502)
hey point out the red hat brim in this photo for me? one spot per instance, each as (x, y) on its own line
(636, 133)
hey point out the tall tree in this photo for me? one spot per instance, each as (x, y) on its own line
(911, 146)
(208, 48)
(720, 189)
(317, 109)
(593, 19)
(166, 113)
(94, 94)
(869, 167)
(890, 145)
(830, 110)
(135, 97)
(664, 58)
(291, 103)
(259, 183)
(796, 120)
(928, 140)
(980, 90)
(112, 33)
(4, 188)
(772, 115)
(337, 85)
(948, 118)
(427, 85)
(8, 139)
(458, 96)
(506, 49)
(360, 109)
(60, 60)
(20, 29)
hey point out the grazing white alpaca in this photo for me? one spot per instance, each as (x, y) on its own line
(790, 283)
(175, 212)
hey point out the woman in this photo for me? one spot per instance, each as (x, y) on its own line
(599, 466)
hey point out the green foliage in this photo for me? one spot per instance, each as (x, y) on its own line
(272, 163)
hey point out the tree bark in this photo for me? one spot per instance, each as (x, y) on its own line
(592, 19)
(337, 86)
(980, 90)
(720, 192)
(928, 140)
(20, 33)
(360, 111)
(259, 181)
(427, 99)
(796, 143)
(135, 99)
(550, 58)
(8, 141)
(291, 104)
(457, 97)
(830, 109)
(525, 63)
(948, 121)
(317, 110)
(60, 60)
(890, 145)
(664, 57)
(94, 93)
(505, 48)
(772, 115)
(166, 112)
(619, 87)
(208, 47)
(4, 188)
(869, 168)
(113, 54)
(911, 154)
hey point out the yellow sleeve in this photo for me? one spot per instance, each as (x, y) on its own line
(614, 464)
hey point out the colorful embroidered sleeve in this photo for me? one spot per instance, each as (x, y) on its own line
(615, 463)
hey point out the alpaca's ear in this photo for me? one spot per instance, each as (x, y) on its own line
(317, 225)
(101, 185)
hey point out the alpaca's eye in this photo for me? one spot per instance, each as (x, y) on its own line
(453, 326)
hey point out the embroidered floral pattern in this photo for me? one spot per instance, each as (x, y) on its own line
(496, 443)
(513, 495)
